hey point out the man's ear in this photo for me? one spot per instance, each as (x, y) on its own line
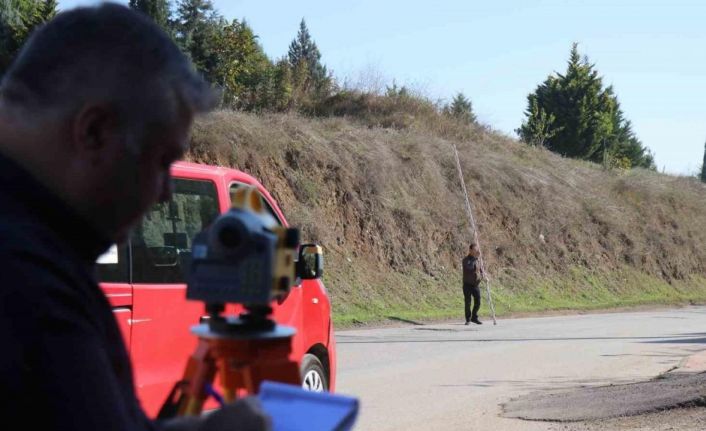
(95, 127)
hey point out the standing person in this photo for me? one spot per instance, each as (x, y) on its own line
(93, 111)
(472, 276)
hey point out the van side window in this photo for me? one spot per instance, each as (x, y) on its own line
(161, 243)
(235, 186)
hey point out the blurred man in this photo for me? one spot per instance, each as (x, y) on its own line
(472, 276)
(94, 110)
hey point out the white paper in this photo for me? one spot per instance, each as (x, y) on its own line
(110, 257)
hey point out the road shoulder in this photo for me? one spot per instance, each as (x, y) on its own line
(673, 400)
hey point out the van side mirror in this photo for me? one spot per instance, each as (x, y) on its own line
(310, 265)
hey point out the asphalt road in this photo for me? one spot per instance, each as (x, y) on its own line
(448, 376)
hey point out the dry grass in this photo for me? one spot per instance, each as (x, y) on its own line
(381, 194)
(399, 112)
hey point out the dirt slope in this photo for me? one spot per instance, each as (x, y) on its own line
(387, 206)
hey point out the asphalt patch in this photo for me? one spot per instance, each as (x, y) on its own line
(603, 402)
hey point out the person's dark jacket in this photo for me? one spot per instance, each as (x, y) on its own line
(471, 271)
(63, 364)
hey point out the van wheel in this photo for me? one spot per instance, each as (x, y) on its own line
(313, 375)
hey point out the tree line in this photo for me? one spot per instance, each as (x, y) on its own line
(226, 52)
(572, 114)
(229, 56)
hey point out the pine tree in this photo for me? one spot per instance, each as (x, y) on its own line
(582, 108)
(461, 109)
(303, 48)
(574, 115)
(198, 27)
(309, 75)
(158, 10)
(191, 14)
(703, 167)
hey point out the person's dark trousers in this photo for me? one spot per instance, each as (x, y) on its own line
(471, 293)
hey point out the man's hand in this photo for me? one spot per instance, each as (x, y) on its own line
(243, 415)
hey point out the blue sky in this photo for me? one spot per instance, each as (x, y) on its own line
(496, 52)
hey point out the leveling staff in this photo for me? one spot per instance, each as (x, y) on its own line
(94, 110)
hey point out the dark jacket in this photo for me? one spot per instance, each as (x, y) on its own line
(63, 364)
(471, 270)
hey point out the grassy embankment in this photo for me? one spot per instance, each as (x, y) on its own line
(375, 183)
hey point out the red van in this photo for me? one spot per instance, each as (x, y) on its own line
(145, 285)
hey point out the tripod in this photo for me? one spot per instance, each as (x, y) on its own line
(244, 351)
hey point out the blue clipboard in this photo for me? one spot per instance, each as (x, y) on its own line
(295, 409)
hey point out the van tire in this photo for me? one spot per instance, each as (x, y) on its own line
(314, 377)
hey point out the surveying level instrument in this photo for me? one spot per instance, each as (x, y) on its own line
(246, 258)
